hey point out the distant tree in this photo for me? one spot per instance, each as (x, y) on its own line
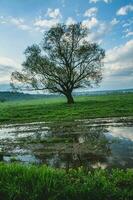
(64, 61)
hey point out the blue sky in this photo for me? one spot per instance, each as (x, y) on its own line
(22, 23)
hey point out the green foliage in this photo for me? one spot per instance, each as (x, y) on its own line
(55, 109)
(19, 182)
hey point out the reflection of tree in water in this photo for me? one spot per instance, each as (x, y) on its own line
(79, 146)
(68, 144)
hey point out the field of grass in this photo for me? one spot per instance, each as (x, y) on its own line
(56, 109)
(19, 182)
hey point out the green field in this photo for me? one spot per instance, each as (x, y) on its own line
(19, 182)
(56, 109)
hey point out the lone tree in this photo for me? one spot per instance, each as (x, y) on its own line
(63, 62)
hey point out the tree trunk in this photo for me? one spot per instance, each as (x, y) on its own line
(70, 99)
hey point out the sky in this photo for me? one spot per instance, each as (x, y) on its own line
(23, 23)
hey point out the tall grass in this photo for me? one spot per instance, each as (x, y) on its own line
(19, 182)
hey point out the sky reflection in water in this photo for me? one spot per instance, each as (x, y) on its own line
(91, 143)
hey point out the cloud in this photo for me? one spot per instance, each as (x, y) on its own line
(114, 21)
(101, 29)
(130, 33)
(118, 67)
(3, 20)
(125, 9)
(18, 22)
(98, 34)
(54, 17)
(128, 23)
(70, 21)
(128, 30)
(5, 71)
(53, 13)
(5, 61)
(90, 23)
(119, 60)
(46, 23)
(91, 12)
(95, 1)
(7, 66)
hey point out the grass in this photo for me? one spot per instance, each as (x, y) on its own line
(56, 109)
(19, 182)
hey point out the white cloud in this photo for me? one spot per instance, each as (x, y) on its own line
(124, 10)
(54, 17)
(46, 23)
(5, 61)
(114, 21)
(119, 60)
(128, 23)
(98, 34)
(18, 22)
(101, 30)
(125, 25)
(130, 33)
(90, 23)
(117, 53)
(105, 1)
(93, 1)
(5, 73)
(7, 66)
(70, 21)
(91, 12)
(2, 20)
(53, 13)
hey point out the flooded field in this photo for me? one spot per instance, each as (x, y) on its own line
(104, 143)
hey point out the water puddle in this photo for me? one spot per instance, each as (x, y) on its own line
(104, 143)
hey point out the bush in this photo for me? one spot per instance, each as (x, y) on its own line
(19, 182)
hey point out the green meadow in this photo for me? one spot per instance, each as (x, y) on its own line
(56, 109)
(32, 182)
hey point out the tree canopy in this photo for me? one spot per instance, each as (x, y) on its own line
(65, 60)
